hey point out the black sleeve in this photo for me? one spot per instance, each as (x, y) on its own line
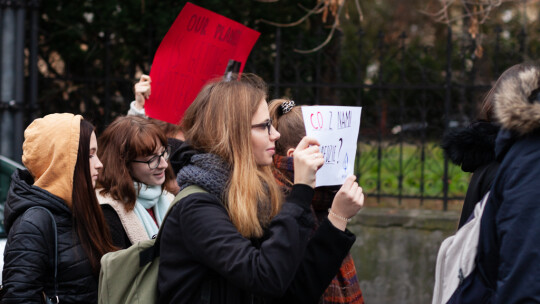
(26, 259)
(324, 255)
(480, 184)
(268, 270)
(118, 233)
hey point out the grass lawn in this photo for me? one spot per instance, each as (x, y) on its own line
(419, 178)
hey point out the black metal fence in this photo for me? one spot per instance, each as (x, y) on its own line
(408, 103)
(411, 94)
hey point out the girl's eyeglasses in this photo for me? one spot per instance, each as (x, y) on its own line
(156, 159)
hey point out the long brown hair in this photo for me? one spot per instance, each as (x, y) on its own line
(290, 125)
(88, 218)
(125, 139)
(219, 122)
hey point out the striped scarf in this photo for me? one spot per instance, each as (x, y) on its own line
(344, 287)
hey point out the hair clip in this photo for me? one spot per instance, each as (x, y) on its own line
(287, 106)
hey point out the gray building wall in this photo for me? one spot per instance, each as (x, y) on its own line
(396, 250)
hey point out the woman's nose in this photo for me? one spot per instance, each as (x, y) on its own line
(274, 134)
(163, 164)
(99, 164)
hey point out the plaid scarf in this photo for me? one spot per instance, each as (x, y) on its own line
(344, 287)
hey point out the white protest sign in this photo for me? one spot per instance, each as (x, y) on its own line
(336, 128)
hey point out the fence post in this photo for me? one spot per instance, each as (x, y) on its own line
(33, 60)
(107, 69)
(12, 77)
(498, 31)
(380, 113)
(360, 81)
(402, 38)
(447, 101)
(150, 47)
(359, 71)
(3, 104)
(522, 36)
(318, 72)
(277, 63)
(423, 139)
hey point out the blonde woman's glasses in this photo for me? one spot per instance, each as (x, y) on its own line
(265, 125)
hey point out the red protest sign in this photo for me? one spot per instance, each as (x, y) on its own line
(196, 49)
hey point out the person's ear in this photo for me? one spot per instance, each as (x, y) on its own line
(290, 152)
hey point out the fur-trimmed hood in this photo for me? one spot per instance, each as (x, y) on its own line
(512, 107)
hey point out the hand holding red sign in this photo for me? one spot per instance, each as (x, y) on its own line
(196, 49)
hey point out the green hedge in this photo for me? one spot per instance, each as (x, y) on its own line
(412, 170)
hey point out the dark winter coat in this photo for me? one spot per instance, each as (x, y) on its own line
(204, 259)
(28, 256)
(119, 236)
(509, 251)
(473, 148)
(203, 255)
(177, 150)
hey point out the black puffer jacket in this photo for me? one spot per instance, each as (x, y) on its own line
(28, 256)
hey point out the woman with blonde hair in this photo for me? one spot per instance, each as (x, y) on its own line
(288, 121)
(132, 188)
(242, 242)
(56, 230)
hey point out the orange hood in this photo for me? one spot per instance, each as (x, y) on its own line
(50, 152)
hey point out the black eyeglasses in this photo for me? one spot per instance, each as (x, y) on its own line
(156, 159)
(265, 125)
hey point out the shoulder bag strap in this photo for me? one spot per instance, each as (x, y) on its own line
(150, 253)
(55, 250)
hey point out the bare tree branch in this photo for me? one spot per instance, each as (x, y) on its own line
(320, 10)
(309, 13)
(481, 9)
(476, 11)
(332, 7)
(360, 14)
(330, 35)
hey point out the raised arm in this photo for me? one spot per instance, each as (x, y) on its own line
(142, 91)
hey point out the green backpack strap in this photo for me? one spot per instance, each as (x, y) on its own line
(150, 253)
(184, 193)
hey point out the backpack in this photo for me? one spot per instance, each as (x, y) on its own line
(130, 275)
(456, 272)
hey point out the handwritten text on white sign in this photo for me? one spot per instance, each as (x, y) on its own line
(336, 128)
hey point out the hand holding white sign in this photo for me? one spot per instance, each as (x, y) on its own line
(347, 203)
(336, 128)
(307, 160)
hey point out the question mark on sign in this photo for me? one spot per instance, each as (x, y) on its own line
(341, 145)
